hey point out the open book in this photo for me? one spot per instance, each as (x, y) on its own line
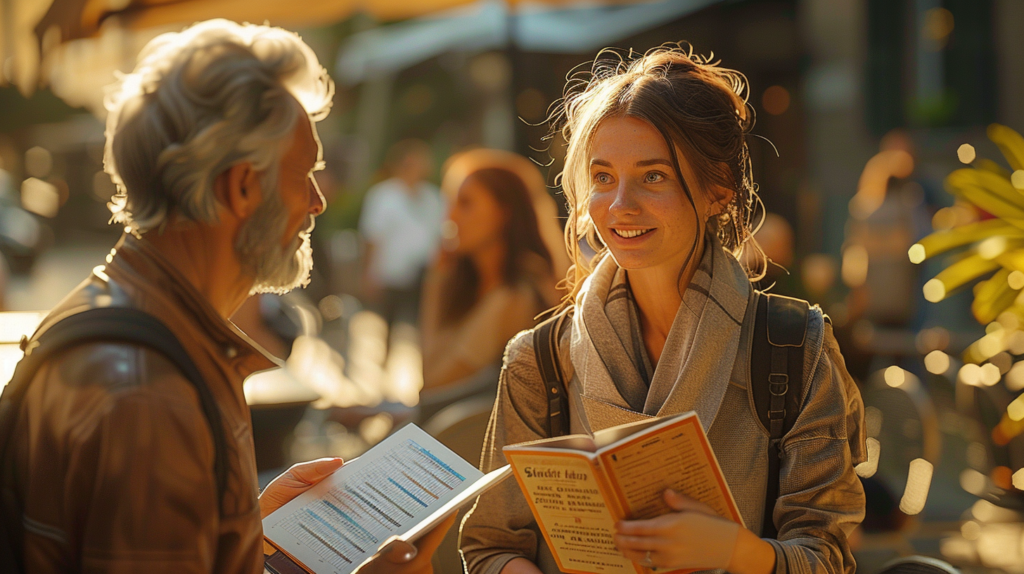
(579, 486)
(399, 489)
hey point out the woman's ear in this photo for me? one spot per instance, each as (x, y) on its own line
(720, 197)
(238, 190)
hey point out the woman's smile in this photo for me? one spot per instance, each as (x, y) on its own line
(626, 233)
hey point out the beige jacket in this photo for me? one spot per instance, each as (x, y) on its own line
(112, 456)
(821, 499)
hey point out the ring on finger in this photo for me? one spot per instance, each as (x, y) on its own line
(646, 562)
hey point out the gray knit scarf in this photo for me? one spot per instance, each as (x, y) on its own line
(693, 372)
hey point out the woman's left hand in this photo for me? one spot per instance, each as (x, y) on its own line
(692, 537)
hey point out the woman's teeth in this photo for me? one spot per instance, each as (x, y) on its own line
(628, 233)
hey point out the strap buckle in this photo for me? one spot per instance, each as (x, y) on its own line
(776, 415)
(778, 384)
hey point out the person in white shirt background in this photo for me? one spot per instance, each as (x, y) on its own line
(400, 226)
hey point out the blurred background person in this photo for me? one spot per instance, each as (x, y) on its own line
(499, 268)
(401, 228)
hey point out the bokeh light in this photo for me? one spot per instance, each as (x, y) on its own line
(970, 374)
(919, 481)
(869, 467)
(1017, 179)
(934, 290)
(775, 100)
(936, 362)
(855, 266)
(895, 376)
(966, 154)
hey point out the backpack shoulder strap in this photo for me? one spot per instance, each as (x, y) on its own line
(545, 346)
(776, 381)
(114, 324)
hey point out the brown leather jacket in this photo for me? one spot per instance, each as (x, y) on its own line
(112, 456)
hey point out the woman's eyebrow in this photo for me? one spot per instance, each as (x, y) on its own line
(641, 163)
(647, 162)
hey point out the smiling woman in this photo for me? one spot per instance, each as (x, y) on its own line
(662, 321)
(702, 138)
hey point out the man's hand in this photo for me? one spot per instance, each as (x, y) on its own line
(296, 480)
(405, 558)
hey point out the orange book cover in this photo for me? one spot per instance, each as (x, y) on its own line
(579, 486)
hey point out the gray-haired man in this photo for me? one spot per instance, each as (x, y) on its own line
(111, 462)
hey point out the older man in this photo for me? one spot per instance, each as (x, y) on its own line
(111, 464)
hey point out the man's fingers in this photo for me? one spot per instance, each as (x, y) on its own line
(682, 503)
(314, 471)
(433, 539)
(399, 552)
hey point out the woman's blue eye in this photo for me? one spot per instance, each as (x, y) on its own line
(603, 178)
(653, 177)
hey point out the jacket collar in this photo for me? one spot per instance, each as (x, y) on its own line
(166, 293)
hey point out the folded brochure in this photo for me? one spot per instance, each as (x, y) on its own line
(399, 489)
(579, 486)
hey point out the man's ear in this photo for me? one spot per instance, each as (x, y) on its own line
(238, 190)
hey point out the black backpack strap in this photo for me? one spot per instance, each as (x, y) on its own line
(111, 324)
(776, 381)
(545, 346)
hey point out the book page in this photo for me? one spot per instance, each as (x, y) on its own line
(611, 435)
(340, 523)
(676, 456)
(564, 493)
(578, 442)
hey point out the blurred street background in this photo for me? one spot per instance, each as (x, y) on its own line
(864, 108)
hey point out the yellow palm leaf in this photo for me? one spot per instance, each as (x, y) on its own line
(1010, 143)
(995, 245)
(993, 296)
(957, 275)
(943, 241)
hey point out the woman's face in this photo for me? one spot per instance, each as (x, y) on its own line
(637, 203)
(477, 216)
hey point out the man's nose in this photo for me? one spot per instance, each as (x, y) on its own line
(317, 201)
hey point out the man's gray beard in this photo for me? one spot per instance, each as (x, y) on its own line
(276, 269)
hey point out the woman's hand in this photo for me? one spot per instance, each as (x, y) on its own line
(693, 537)
(293, 482)
(404, 558)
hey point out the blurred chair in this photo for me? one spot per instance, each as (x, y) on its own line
(481, 384)
(904, 446)
(460, 427)
(918, 565)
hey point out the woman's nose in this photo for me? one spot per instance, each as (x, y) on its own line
(624, 201)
